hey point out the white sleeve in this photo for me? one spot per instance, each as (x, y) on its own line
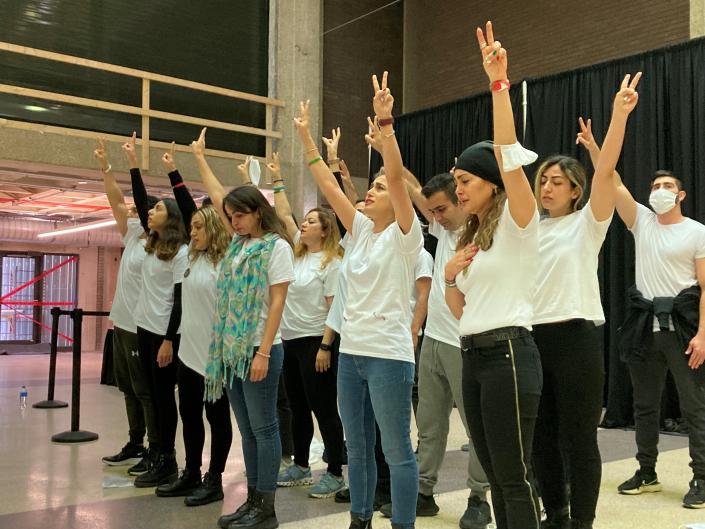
(597, 229)
(330, 277)
(180, 263)
(424, 265)
(435, 229)
(281, 264)
(700, 245)
(508, 222)
(409, 243)
(134, 231)
(360, 224)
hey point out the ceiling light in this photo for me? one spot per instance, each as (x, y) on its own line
(76, 229)
(35, 108)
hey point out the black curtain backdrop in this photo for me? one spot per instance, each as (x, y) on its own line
(666, 131)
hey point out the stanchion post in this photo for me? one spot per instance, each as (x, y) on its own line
(53, 346)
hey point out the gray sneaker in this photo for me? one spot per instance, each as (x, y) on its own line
(327, 486)
(294, 475)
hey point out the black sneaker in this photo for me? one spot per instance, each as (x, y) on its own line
(695, 498)
(641, 482)
(342, 496)
(425, 506)
(184, 485)
(129, 455)
(145, 463)
(478, 514)
(164, 470)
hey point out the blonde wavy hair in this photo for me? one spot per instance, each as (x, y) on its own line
(331, 242)
(482, 232)
(218, 237)
(572, 169)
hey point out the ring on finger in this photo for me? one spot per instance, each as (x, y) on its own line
(483, 45)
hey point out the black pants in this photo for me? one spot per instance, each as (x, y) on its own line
(134, 384)
(162, 384)
(501, 393)
(285, 419)
(648, 378)
(310, 391)
(191, 391)
(572, 360)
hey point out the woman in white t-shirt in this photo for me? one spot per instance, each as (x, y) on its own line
(310, 358)
(245, 357)
(209, 241)
(489, 287)
(158, 314)
(568, 320)
(376, 364)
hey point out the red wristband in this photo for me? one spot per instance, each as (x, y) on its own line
(498, 86)
(180, 184)
(386, 121)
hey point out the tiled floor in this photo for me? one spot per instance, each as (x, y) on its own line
(43, 484)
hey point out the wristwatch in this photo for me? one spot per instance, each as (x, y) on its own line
(325, 347)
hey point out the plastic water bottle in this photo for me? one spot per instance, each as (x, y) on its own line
(23, 397)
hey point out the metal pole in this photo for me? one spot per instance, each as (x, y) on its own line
(50, 402)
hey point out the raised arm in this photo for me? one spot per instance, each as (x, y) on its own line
(623, 200)
(383, 104)
(215, 189)
(420, 201)
(281, 201)
(321, 172)
(348, 186)
(603, 191)
(139, 192)
(112, 189)
(183, 197)
(522, 204)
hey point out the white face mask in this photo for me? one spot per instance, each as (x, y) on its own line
(662, 201)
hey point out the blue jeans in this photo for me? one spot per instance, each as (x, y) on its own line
(255, 407)
(374, 388)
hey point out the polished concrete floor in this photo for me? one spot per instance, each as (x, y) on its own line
(43, 484)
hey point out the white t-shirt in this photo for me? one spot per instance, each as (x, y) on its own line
(499, 284)
(280, 270)
(157, 295)
(424, 268)
(335, 314)
(441, 325)
(199, 298)
(665, 254)
(380, 278)
(567, 287)
(306, 308)
(129, 278)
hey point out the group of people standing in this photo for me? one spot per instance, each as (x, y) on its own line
(227, 299)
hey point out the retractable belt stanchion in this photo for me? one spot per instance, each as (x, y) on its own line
(50, 402)
(75, 435)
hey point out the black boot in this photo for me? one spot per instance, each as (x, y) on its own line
(580, 524)
(557, 519)
(184, 485)
(210, 490)
(164, 470)
(225, 520)
(261, 514)
(357, 523)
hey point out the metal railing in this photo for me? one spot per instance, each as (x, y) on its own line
(145, 110)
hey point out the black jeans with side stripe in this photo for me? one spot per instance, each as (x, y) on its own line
(501, 392)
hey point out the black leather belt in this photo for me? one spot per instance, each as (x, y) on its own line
(491, 338)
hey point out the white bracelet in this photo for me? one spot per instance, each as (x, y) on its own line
(106, 171)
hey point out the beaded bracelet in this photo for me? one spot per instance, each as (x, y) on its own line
(333, 160)
(315, 160)
(451, 284)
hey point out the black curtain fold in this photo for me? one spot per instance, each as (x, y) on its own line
(666, 131)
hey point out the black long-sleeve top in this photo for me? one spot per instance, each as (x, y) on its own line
(183, 198)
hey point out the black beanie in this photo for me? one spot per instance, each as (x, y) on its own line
(479, 159)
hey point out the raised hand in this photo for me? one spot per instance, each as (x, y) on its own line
(344, 171)
(382, 102)
(198, 147)
(168, 159)
(332, 144)
(494, 56)
(129, 149)
(302, 121)
(274, 166)
(244, 168)
(100, 155)
(626, 99)
(585, 137)
(374, 136)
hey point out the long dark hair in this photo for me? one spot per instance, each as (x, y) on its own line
(248, 199)
(166, 245)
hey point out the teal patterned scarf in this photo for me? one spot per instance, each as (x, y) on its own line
(241, 289)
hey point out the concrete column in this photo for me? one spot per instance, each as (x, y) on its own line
(697, 18)
(295, 73)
